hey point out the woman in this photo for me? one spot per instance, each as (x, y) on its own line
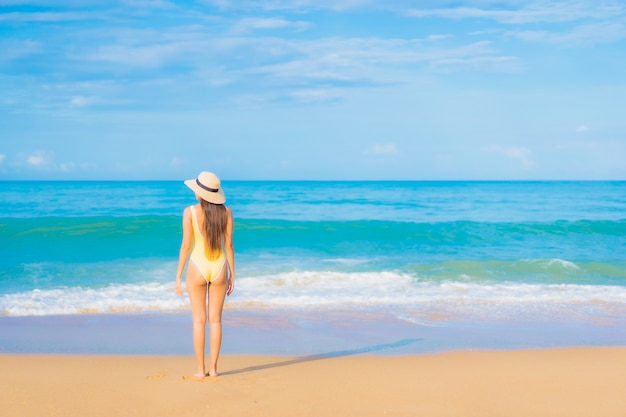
(208, 235)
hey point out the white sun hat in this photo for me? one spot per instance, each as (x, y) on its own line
(207, 186)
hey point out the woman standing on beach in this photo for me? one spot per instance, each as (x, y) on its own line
(208, 236)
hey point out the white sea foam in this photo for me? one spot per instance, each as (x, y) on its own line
(77, 300)
(563, 263)
(389, 291)
(346, 261)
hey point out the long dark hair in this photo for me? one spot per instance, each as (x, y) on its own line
(214, 227)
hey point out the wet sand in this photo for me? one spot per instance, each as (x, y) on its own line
(293, 333)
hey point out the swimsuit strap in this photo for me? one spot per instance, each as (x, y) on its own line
(194, 218)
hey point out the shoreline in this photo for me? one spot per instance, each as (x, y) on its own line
(282, 363)
(294, 333)
(532, 382)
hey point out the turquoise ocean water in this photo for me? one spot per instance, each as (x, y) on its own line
(424, 252)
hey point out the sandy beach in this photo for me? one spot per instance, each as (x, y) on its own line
(546, 382)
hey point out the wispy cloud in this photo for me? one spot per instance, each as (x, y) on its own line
(143, 55)
(2, 157)
(177, 162)
(44, 161)
(520, 154)
(23, 17)
(39, 159)
(291, 5)
(582, 35)
(67, 167)
(382, 149)
(251, 24)
(435, 68)
(231, 56)
(317, 95)
(300, 65)
(536, 12)
(80, 101)
(480, 63)
(158, 4)
(11, 49)
(438, 37)
(376, 60)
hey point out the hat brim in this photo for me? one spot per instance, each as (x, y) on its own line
(217, 197)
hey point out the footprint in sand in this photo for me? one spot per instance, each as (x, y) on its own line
(160, 375)
(195, 378)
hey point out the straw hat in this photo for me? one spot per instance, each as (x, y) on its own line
(207, 187)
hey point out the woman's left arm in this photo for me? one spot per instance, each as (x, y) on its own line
(230, 251)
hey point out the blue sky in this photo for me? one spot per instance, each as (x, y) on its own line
(303, 89)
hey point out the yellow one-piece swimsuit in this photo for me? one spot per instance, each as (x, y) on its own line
(209, 268)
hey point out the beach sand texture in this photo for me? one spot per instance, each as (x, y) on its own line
(550, 382)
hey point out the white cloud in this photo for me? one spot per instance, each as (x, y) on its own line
(36, 160)
(316, 95)
(80, 101)
(151, 48)
(583, 35)
(147, 56)
(294, 5)
(564, 11)
(583, 128)
(67, 167)
(47, 16)
(385, 149)
(379, 60)
(438, 37)
(44, 161)
(251, 24)
(157, 4)
(11, 49)
(520, 154)
(177, 162)
(39, 159)
(372, 59)
(578, 145)
(480, 63)
(215, 77)
(2, 158)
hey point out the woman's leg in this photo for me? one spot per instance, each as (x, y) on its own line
(217, 294)
(197, 291)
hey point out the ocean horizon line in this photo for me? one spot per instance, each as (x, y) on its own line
(448, 181)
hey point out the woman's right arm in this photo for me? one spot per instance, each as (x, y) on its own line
(185, 247)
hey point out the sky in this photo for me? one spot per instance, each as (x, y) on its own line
(313, 89)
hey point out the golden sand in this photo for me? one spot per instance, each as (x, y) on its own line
(528, 383)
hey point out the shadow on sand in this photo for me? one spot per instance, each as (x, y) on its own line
(327, 355)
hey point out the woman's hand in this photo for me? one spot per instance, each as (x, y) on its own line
(179, 291)
(231, 286)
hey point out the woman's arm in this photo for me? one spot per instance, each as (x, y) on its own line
(230, 251)
(185, 247)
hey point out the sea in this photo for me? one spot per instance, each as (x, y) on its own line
(423, 252)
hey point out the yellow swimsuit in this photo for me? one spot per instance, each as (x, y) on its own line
(209, 268)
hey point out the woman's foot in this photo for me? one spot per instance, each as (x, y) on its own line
(200, 375)
(212, 374)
